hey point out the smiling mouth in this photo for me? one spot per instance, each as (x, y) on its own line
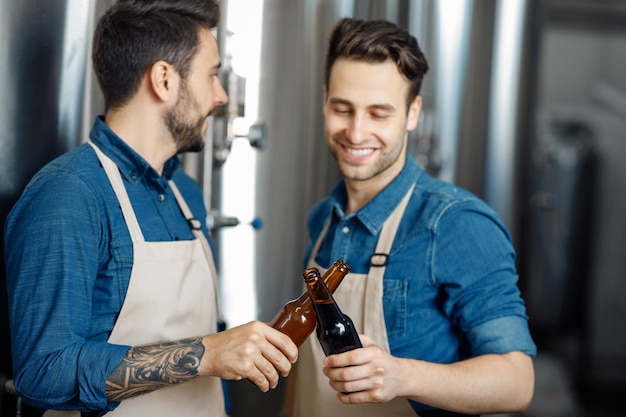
(359, 151)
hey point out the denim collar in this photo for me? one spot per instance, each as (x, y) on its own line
(374, 213)
(132, 166)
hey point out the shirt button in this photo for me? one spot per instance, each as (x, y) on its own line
(133, 175)
(160, 197)
(346, 229)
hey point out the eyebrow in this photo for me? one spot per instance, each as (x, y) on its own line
(385, 107)
(382, 106)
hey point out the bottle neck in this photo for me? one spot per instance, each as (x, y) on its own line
(335, 274)
(317, 290)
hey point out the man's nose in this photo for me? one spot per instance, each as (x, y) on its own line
(220, 97)
(357, 129)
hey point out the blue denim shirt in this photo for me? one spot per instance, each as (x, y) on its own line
(450, 285)
(69, 257)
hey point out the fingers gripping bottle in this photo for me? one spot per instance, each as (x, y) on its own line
(335, 330)
(297, 317)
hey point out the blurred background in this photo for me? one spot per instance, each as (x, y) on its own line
(524, 105)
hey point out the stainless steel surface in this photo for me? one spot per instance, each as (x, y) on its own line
(500, 189)
(43, 53)
(449, 66)
(45, 107)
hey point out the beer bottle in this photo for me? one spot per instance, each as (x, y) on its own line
(297, 317)
(335, 330)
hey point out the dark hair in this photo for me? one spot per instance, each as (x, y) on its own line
(134, 34)
(377, 41)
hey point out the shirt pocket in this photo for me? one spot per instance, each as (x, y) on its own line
(120, 267)
(395, 298)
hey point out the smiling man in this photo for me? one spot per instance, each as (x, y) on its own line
(433, 286)
(110, 273)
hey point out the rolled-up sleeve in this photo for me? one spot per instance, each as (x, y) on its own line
(475, 263)
(502, 335)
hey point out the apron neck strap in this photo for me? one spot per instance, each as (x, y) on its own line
(115, 178)
(388, 232)
(385, 240)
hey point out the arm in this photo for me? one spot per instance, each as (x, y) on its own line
(52, 251)
(484, 384)
(254, 351)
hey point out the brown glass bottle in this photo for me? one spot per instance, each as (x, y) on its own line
(297, 317)
(335, 330)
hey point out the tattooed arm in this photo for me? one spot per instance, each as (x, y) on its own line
(254, 351)
(147, 368)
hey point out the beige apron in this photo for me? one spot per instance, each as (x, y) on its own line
(172, 295)
(360, 296)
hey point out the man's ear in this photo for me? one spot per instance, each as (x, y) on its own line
(414, 113)
(163, 80)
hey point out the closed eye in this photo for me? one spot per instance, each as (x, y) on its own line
(341, 110)
(381, 111)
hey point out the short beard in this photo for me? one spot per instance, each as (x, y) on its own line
(188, 137)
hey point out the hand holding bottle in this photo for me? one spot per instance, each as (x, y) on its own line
(253, 351)
(374, 375)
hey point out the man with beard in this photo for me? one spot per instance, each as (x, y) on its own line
(110, 275)
(432, 285)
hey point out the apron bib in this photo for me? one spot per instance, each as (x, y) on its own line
(172, 294)
(360, 296)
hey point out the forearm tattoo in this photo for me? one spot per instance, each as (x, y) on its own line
(147, 368)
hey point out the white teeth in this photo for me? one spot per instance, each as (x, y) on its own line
(360, 152)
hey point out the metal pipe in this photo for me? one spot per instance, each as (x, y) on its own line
(9, 387)
(453, 30)
(504, 106)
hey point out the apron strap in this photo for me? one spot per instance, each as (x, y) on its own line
(196, 229)
(320, 238)
(120, 191)
(388, 232)
(378, 264)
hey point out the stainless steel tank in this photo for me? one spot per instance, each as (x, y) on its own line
(44, 107)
